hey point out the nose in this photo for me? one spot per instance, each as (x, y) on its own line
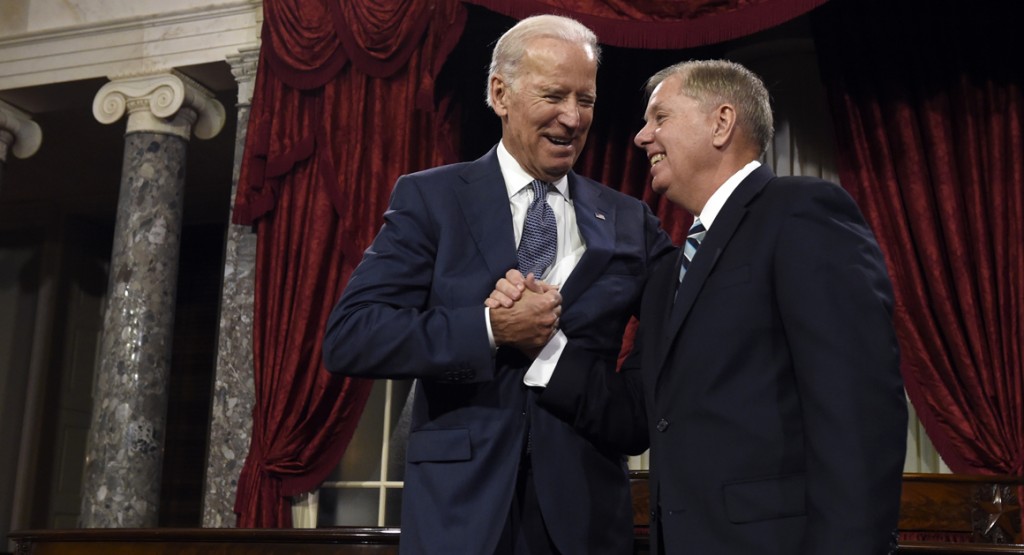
(643, 137)
(570, 114)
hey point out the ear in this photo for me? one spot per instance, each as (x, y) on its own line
(499, 91)
(723, 125)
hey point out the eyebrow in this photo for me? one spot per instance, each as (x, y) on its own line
(651, 108)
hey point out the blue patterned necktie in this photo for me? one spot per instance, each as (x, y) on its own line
(540, 234)
(693, 239)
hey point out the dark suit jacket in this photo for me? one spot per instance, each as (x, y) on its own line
(774, 403)
(414, 309)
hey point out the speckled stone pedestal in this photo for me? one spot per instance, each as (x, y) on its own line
(124, 452)
(123, 460)
(233, 396)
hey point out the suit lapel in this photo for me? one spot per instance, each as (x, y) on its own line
(595, 218)
(725, 225)
(483, 199)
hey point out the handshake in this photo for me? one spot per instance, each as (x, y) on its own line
(524, 312)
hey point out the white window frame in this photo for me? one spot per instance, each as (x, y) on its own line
(383, 485)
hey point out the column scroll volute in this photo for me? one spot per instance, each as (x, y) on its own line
(22, 135)
(166, 102)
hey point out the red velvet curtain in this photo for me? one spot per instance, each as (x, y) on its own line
(338, 114)
(928, 99)
(662, 24)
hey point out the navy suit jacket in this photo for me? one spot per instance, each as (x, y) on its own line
(413, 308)
(769, 388)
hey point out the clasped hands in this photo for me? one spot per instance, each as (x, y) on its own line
(524, 312)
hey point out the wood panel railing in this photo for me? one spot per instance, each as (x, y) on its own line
(939, 513)
(321, 541)
(961, 508)
(976, 515)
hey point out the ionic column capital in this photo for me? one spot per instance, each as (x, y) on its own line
(243, 67)
(166, 102)
(18, 133)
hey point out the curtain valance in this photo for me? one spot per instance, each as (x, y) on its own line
(662, 24)
(308, 42)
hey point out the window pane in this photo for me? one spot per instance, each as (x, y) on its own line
(401, 411)
(361, 461)
(348, 507)
(393, 507)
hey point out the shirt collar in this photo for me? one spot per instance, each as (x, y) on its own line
(516, 177)
(717, 201)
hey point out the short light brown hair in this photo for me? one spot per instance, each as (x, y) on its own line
(716, 82)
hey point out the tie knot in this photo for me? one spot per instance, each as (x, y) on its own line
(540, 188)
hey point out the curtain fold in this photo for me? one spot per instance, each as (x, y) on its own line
(322, 153)
(662, 24)
(301, 42)
(928, 103)
(306, 45)
(379, 37)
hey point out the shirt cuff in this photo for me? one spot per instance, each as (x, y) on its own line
(543, 366)
(490, 334)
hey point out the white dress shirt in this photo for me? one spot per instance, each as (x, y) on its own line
(714, 204)
(570, 249)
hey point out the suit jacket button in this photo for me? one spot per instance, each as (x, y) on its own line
(662, 425)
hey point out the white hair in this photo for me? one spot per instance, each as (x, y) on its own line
(511, 47)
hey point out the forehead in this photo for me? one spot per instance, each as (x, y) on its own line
(555, 61)
(668, 94)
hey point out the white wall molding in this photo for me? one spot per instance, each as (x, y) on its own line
(136, 44)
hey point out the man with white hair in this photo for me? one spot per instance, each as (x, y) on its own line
(487, 469)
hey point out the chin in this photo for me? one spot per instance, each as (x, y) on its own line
(554, 174)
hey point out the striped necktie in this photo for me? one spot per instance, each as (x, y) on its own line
(693, 239)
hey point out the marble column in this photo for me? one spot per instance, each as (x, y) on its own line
(124, 452)
(233, 396)
(19, 135)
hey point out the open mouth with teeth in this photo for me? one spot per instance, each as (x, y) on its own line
(657, 158)
(560, 142)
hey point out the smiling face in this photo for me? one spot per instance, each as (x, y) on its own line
(679, 139)
(546, 111)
